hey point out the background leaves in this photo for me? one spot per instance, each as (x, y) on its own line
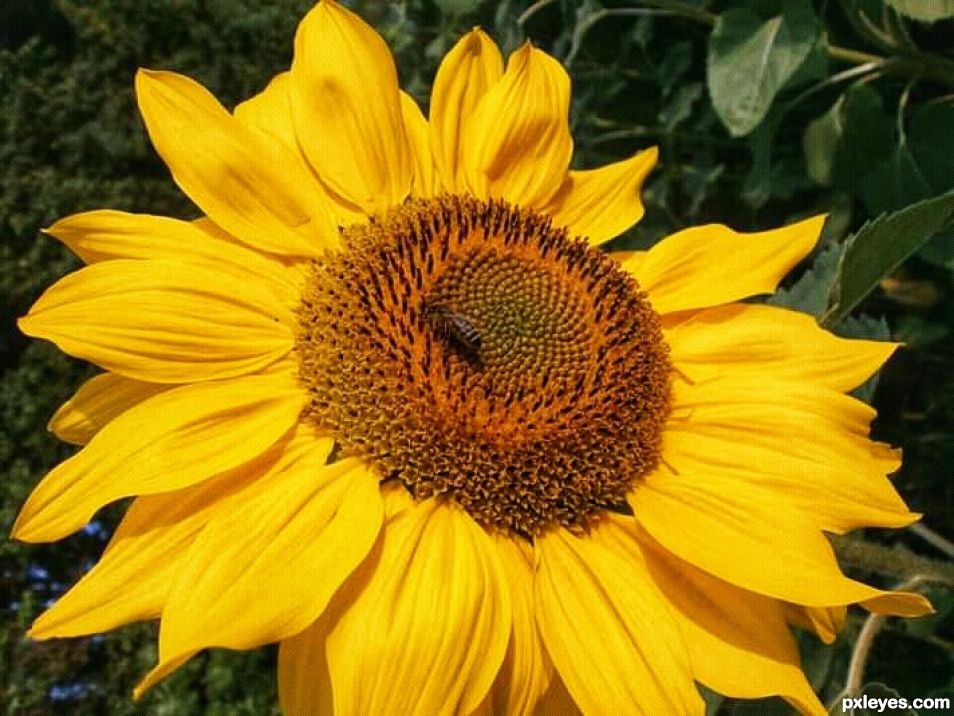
(927, 10)
(879, 247)
(752, 57)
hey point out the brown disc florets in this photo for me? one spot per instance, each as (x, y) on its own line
(471, 350)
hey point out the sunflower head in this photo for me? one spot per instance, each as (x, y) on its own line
(472, 350)
(390, 404)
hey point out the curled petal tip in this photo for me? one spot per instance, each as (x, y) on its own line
(19, 531)
(147, 73)
(23, 323)
(36, 633)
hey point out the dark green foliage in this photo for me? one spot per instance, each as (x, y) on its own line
(879, 247)
(752, 57)
(925, 10)
(763, 111)
(71, 139)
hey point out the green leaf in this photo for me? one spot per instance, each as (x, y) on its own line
(816, 66)
(821, 142)
(672, 68)
(818, 659)
(810, 293)
(897, 183)
(925, 10)
(849, 141)
(940, 250)
(882, 245)
(750, 59)
(770, 178)
(931, 143)
(855, 146)
(458, 7)
(758, 185)
(870, 135)
(679, 107)
(917, 332)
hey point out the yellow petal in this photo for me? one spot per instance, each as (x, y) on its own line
(806, 444)
(132, 579)
(752, 538)
(748, 339)
(612, 639)
(245, 182)
(270, 113)
(602, 203)
(104, 234)
(899, 604)
(284, 276)
(420, 143)
(157, 675)
(430, 609)
(396, 498)
(266, 568)
(163, 321)
(465, 74)
(527, 670)
(172, 440)
(827, 623)
(346, 108)
(739, 642)
(721, 396)
(629, 260)
(304, 684)
(556, 701)
(711, 265)
(518, 145)
(98, 400)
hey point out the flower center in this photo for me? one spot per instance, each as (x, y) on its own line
(472, 351)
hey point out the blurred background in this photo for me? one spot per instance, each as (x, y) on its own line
(764, 112)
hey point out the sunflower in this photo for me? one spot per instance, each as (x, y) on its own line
(389, 404)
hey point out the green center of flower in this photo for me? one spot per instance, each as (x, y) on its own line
(474, 352)
(517, 316)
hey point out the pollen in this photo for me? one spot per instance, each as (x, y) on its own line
(477, 354)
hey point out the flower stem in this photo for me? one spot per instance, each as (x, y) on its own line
(859, 655)
(684, 9)
(933, 538)
(906, 63)
(894, 562)
(862, 648)
(854, 57)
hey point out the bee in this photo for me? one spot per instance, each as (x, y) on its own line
(456, 329)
